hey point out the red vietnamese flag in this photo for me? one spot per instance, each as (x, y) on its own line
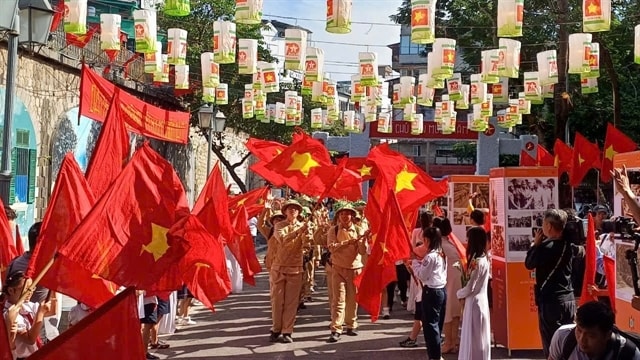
(610, 274)
(563, 156)
(304, 165)
(19, 243)
(111, 151)
(215, 218)
(4, 341)
(110, 332)
(81, 41)
(263, 149)
(391, 243)
(589, 262)
(437, 211)
(272, 177)
(615, 142)
(7, 248)
(526, 159)
(58, 15)
(363, 167)
(343, 183)
(71, 200)
(124, 238)
(586, 156)
(544, 158)
(298, 134)
(253, 201)
(460, 248)
(412, 186)
(373, 210)
(243, 249)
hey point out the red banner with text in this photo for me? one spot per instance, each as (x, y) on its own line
(97, 93)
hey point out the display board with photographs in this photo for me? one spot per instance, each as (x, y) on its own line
(497, 212)
(461, 190)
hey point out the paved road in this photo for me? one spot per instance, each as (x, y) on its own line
(239, 330)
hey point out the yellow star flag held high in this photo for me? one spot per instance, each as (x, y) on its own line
(615, 142)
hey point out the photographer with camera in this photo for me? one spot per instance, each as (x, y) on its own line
(551, 257)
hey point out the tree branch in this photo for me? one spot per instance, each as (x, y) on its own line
(230, 168)
(244, 158)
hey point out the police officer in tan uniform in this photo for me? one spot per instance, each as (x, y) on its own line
(347, 245)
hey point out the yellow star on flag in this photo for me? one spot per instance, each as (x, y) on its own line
(384, 250)
(593, 8)
(580, 159)
(365, 170)
(241, 202)
(302, 162)
(158, 245)
(556, 161)
(199, 265)
(418, 16)
(609, 152)
(269, 78)
(404, 180)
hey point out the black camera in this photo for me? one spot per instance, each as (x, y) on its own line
(574, 231)
(623, 226)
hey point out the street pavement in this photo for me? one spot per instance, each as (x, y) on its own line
(239, 329)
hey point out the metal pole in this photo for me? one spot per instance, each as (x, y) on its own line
(9, 96)
(209, 150)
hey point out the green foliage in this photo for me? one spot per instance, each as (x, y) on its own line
(509, 160)
(465, 151)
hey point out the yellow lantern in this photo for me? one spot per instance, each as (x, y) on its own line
(316, 118)
(500, 91)
(314, 64)
(281, 113)
(177, 7)
(339, 16)
(444, 58)
(463, 102)
(384, 123)
(478, 89)
(596, 15)
(307, 86)
(636, 44)
(295, 49)
(209, 94)
(249, 12)
(579, 53)
(224, 42)
(509, 58)
(110, 31)
(247, 109)
(594, 61)
(75, 17)
(153, 61)
(510, 17)
(417, 125)
(547, 67)
(222, 94)
(588, 85)
(532, 89)
(407, 85)
(177, 46)
(210, 70)
(489, 65)
(423, 15)
(247, 56)
(182, 77)
(368, 68)
(453, 86)
(270, 79)
(146, 31)
(358, 92)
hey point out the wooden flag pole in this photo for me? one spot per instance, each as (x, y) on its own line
(34, 283)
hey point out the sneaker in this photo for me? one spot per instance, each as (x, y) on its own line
(385, 313)
(334, 337)
(151, 356)
(187, 321)
(408, 343)
(274, 337)
(352, 332)
(287, 339)
(179, 320)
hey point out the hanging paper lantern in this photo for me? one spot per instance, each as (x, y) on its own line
(596, 15)
(487, 106)
(377, 94)
(532, 89)
(423, 15)
(257, 76)
(182, 77)
(453, 86)
(249, 12)
(478, 89)
(291, 101)
(307, 86)
(509, 58)
(407, 86)
(224, 42)
(260, 104)
(513, 114)
(437, 113)
(177, 7)
(163, 75)
(153, 61)
(489, 65)
(500, 91)
(348, 118)
(417, 126)
(594, 61)
(295, 53)
(326, 122)
(177, 46)
(524, 105)
(299, 110)
(247, 109)
(370, 112)
(247, 56)
(384, 123)
(281, 113)
(548, 91)
(588, 85)
(314, 64)
(501, 118)
(249, 93)
(396, 97)
(270, 79)
(636, 44)
(510, 17)
(210, 70)
(368, 68)
(317, 92)
(222, 94)
(425, 93)
(358, 91)
(449, 124)
(579, 53)
(110, 32)
(547, 67)
(433, 81)
(333, 107)
(409, 111)
(339, 16)
(444, 51)
(209, 95)
(463, 102)
(271, 112)
(478, 121)
(146, 30)
(316, 118)
(75, 17)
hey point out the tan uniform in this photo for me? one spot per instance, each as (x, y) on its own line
(346, 262)
(320, 239)
(286, 275)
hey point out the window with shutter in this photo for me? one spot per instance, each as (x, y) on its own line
(12, 187)
(33, 164)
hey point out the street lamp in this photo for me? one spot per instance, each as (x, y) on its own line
(211, 123)
(30, 25)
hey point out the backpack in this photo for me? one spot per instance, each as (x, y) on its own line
(626, 352)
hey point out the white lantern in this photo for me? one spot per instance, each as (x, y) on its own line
(636, 44)
(437, 113)
(339, 16)
(396, 97)
(259, 104)
(490, 68)
(153, 61)
(326, 122)
(257, 76)
(449, 124)
(509, 58)
(270, 79)
(596, 15)
(247, 109)
(478, 121)
(510, 17)
(222, 94)
(425, 93)
(299, 110)
(163, 75)
(453, 86)
(182, 77)
(348, 118)
(409, 111)
(209, 95)
(433, 81)
(444, 58)
(487, 106)
(314, 64)
(224, 42)
(532, 89)
(524, 105)
(177, 46)
(547, 67)
(423, 15)
(594, 61)
(146, 30)
(247, 56)
(75, 17)
(446, 106)
(295, 49)
(249, 12)
(417, 126)
(384, 123)
(579, 53)
(370, 112)
(358, 92)
(307, 86)
(368, 68)
(407, 86)
(291, 101)
(463, 102)
(588, 85)
(317, 92)
(249, 93)
(478, 89)
(110, 31)
(316, 118)
(548, 91)
(281, 113)
(210, 70)
(500, 91)
(271, 112)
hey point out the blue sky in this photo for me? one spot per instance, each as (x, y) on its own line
(341, 59)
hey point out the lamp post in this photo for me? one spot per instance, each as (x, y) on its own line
(30, 26)
(211, 123)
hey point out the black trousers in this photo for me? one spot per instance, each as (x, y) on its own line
(434, 304)
(552, 315)
(403, 281)
(391, 289)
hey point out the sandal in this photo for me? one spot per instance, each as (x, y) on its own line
(160, 345)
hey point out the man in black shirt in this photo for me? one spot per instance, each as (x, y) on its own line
(551, 260)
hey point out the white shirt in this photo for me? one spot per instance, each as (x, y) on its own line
(557, 344)
(253, 226)
(433, 270)
(23, 350)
